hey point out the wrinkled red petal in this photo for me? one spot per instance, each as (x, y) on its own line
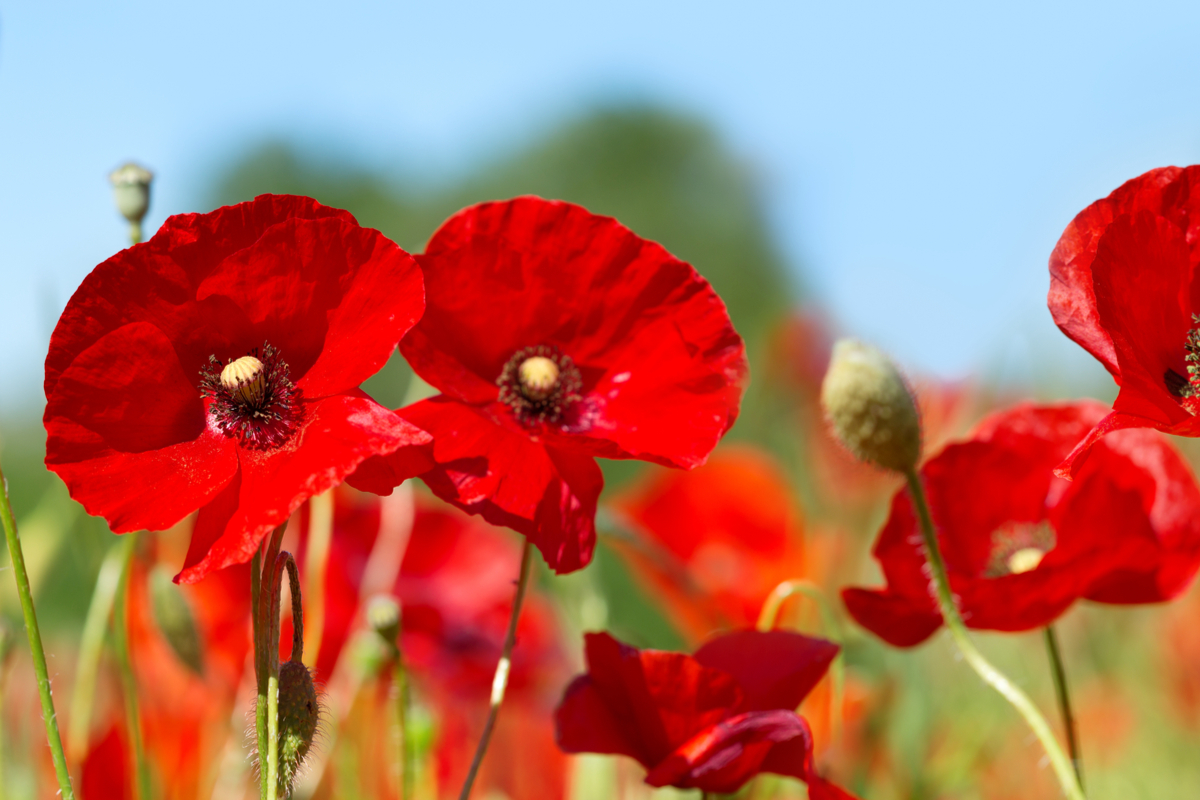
(126, 432)
(653, 700)
(1142, 276)
(155, 282)
(334, 297)
(775, 669)
(1169, 192)
(584, 723)
(548, 495)
(721, 758)
(337, 434)
(663, 370)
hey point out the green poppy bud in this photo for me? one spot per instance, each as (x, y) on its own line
(131, 191)
(299, 716)
(870, 407)
(383, 615)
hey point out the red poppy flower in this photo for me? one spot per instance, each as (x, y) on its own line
(710, 721)
(216, 367)
(1021, 545)
(556, 336)
(1123, 286)
(718, 539)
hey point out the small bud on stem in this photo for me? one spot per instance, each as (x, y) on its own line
(870, 407)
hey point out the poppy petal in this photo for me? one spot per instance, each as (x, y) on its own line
(721, 758)
(775, 669)
(313, 288)
(126, 432)
(156, 281)
(548, 495)
(341, 431)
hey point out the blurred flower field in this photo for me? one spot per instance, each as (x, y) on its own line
(766, 533)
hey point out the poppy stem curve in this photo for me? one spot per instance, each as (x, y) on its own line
(500, 680)
(120, 627)
(53, 738)
(1064, 700)
(958, 632)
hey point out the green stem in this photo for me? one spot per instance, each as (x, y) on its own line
(91, 644)
(500, 680)
(53, 738)
(120, 624)
(263, 651)
(406, 757)
(1064, 701)
(990, 675)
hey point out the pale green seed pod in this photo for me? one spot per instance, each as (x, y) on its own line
(870, 407)
(299, 717)
(383, 615)
(131, 191)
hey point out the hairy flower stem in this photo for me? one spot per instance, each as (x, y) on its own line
(262, 570)
(768, 617)
(53, 738)
(1064, 701)
(120, 626)
(400, 677)
(500, 681)
(91, 645)
(990, 675)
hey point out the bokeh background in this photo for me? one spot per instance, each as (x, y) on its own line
(899, 172)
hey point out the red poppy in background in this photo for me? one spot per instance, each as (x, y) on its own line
(1021, 544)
(216, 367)
(1123, 286)
(455, 586)
(711, 721)
(717, 540)
(555, 336)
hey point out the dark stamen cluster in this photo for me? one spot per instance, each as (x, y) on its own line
(532, 409)
(1187, 387)
(260, 420)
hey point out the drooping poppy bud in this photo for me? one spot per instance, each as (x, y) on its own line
(870, 407)
(299, 716)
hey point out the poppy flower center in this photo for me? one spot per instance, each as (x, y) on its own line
(539, 383)
(1019, 547)
(1187, 388)
(252, 399)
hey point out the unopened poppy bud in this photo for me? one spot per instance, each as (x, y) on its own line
(539, 377)
(131, 191)
(174, 618)
(244, 377)
(299, 716)
(870, 407)
(383, 615)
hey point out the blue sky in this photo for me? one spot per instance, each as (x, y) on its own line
(919, 159)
